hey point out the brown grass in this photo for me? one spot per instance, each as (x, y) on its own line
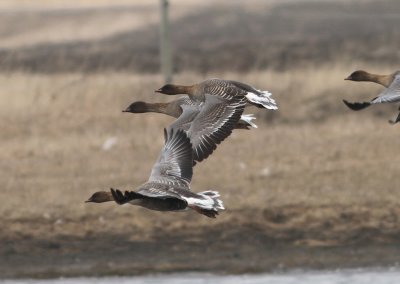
(313, 174)
(312, 151)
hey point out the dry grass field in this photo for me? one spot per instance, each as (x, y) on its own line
(206, 38)
(313, 175)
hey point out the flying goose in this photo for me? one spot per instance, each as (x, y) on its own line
(174, 109)
(390, 95)
(208, 123)
(168, 188)
(224, 88)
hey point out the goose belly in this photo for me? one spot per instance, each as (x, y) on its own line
(158, 204)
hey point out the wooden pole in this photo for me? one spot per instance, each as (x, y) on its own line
(165, 46)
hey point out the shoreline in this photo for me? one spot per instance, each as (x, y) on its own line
(281, 259)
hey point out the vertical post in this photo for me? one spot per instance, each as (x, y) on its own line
(165, 47)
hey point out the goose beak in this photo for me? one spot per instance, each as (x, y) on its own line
(125, 110)
(89, 200)
(348, 78)
(158, 91)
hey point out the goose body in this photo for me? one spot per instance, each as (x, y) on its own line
(227, 89)
(168, 187)
(389, 95)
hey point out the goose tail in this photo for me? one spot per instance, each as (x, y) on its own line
(262, 99)
(208, 203)
(217, 204)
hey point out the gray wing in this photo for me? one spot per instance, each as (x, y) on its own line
(245, 87)
(184, 121)
(157, 190)
(225, 89)
(215, 122)
(174, 165)
(391, 94)
(186, 100)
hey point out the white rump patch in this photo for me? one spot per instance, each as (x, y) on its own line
(218, 204)
(209, 201)
(263, 99)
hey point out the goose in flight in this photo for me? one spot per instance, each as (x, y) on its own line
(168, 187)
(227, 89)
(174, 109)
(389, 95)
(208, 123)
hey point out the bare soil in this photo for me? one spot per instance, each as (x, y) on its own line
(248, 241)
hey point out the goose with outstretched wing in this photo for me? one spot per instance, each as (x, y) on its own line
(389, 95)
(175, 108)
(168, 187)
(227, 89)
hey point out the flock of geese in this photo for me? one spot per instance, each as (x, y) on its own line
(205, 116)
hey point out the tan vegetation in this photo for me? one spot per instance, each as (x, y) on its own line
(314, 173)
(312, 151)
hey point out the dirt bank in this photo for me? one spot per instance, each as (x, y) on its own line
(241, 241)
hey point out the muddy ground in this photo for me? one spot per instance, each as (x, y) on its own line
(250, 242)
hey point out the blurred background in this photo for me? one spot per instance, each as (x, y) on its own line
(315, 186)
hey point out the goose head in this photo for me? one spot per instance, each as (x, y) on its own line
(170, 89)
(136, 107)
(100, 197)
(359, 75)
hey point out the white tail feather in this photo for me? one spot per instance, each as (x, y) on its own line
(217, 203)
(208, 201)
(264, 99)
(248, 119)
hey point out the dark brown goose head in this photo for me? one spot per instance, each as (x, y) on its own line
(364, 76)
(137, 107)
(171, 89)
(100, 197)
(359, 75)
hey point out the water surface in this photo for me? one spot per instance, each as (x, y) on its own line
(361, 276)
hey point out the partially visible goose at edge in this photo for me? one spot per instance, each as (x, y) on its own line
(168, 188)
(390, 95)
(224, 88)
(174, 109)
(209, 123)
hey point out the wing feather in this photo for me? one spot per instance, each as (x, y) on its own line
(174, 164)
(189, 113)
(391, 94)
(213, 124)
